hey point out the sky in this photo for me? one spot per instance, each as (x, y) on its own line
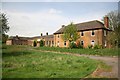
(33, 18)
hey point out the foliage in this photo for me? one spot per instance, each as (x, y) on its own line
(72, 45)
(35, 43)
(101, 52)
(70, 33)
(25, 63)
(114, 24)
(90, 46)
(4, 28)
(4, 38)
(41, 43)
(97, 46)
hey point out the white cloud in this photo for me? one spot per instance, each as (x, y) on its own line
(32, 24)
(54, 11)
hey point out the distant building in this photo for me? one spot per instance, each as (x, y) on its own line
(15, 40)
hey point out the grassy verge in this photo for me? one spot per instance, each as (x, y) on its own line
(101, 52)
(20, 62)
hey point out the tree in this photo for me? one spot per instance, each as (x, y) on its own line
(70, 33)
(114, 24)
(41, 43)
(4, 28)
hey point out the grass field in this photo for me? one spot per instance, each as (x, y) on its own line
(101, 52)
(21, 62)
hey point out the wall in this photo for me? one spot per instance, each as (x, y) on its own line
(98, 38)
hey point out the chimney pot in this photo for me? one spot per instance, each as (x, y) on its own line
(106, 22)
(46, 33)
(63, 25)
(41, 34)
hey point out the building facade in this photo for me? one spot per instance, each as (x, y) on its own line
(91, 33)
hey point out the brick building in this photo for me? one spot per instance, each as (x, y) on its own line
(91, 33)
(15, 40)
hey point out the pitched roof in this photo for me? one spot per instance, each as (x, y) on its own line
(45, 37)
(20, 38)
(85, 26)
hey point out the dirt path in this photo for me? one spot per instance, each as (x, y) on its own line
(111, 61)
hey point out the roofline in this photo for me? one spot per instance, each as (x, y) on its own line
(87, 30)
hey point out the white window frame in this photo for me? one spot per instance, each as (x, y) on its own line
(93, 42)
(81, 34)
(65, 43)
(81, 42)
(105, 32)
(105, 43)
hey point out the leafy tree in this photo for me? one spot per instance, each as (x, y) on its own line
(70, 33)
(4, 28)
(114, 24)
(35, 43)
(41, 43)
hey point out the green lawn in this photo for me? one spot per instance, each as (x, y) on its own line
(21, 62)
(101, 52)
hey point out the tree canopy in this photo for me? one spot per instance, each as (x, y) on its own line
(114, 24)
(4, 28)
(70, 33)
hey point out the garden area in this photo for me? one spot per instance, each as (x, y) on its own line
(23, 62)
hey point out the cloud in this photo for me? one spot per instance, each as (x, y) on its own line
(54, 11)
(32, 24)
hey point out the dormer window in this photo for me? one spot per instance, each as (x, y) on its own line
(82, 33)
(93, 33)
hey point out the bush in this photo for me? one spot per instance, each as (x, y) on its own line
(35, 43)
(41, 43)
(80, 46)
(72, 45)
(97, 47)
(90, 46)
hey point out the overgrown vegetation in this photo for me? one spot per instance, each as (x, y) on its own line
(22, 62)
(101, 52)
(41, 43)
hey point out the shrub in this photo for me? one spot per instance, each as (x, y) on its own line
(80, 46)
(72, 45)
(35, 43)
(97, 47)
(90, 46)
(41, 43)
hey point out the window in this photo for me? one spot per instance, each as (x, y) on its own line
(58, 35)
(82, 33)
(82, 43)
(105, 33)
(92, 42)
(64, 43)
(105, 43)
(58, 43)
(93, 33)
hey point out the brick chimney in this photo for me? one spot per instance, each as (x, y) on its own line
(46, 33)
(41, 34)
(106, 22)
(63, 25)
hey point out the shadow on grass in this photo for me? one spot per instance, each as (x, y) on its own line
(15, 53)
